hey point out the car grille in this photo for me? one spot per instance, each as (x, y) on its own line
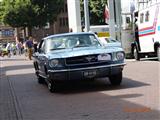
(85, 61)
(81, 60)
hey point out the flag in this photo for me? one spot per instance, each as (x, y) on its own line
(106, 14)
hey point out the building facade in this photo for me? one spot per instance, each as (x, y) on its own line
(6, 33)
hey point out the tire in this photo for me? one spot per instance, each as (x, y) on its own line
(136, 54)
(116, 79)
(158, 53)
(52, 86)
(40, 79)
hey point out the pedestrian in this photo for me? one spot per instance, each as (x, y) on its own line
(29, 45)
(19, 48)
(14, 49)
(35, 43)
(8, 50)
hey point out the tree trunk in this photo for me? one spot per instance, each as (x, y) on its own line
(16, 34)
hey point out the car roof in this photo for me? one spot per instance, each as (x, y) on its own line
(71, 33)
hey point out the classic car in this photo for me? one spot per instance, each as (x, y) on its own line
(76, 56)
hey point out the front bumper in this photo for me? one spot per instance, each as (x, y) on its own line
(85, 73)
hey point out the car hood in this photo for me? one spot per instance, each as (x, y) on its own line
(81, 51)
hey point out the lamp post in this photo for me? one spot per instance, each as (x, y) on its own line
(86, 13)
(74, 16)
(111, 19)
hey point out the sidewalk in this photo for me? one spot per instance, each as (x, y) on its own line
(9, 109)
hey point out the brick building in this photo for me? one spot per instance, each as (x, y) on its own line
(6, 33)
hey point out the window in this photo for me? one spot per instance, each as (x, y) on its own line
(141, 18)
(147, 16)
(63, 22)
(66, 21)
(60, 22)
(128, 20)
(70, 41)
(66, 9)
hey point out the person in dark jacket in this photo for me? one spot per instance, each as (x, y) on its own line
(29, 45)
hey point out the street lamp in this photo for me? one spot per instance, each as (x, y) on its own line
(86, 13)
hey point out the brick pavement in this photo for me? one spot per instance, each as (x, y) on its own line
(104, 104)
(9, 108)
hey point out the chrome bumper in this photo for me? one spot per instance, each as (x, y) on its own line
(88, 68)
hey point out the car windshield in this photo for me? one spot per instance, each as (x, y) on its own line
(71, 41)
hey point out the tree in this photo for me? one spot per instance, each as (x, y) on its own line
(96, 11)
(30, 13)
(47, 10)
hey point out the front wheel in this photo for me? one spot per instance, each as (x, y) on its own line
(116, 79)
(52, 86)
(158, 53)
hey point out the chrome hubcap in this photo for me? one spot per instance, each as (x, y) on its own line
(49, 86)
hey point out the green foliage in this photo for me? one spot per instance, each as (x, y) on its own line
(96, 11)
(47, 10)
(29, 13)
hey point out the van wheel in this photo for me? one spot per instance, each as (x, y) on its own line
(136, 54)
(116, 79)
(158, 53)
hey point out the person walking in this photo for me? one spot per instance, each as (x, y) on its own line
(8, 49)
(19, 48)
(14, 49)
(35, 43)
(29, 45)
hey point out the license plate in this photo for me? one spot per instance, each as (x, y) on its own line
(89, 74)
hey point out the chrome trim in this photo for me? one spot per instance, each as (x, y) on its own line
(43, 76)
(40, 74)
(77, 69)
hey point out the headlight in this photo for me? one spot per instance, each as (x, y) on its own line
(120, 55)
(104, 57)
(55, 63)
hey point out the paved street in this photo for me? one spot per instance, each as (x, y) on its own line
(22, 98)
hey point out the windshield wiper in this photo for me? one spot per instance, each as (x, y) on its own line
(85, 45)
(57, 49)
